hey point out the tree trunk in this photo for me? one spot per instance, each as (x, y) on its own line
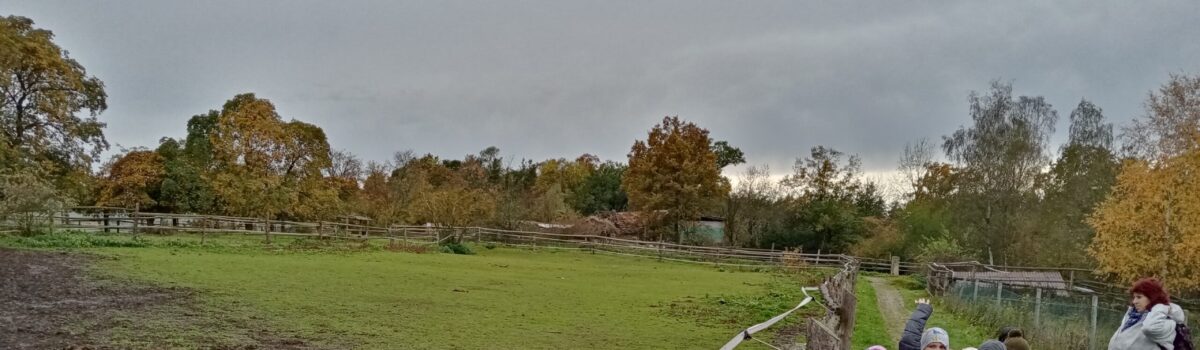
(1167, 241)
(678, 234)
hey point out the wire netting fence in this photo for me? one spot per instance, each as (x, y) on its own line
(1079, 319)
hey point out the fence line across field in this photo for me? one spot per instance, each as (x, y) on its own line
(117, 219)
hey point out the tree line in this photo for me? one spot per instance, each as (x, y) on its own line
(1122, 200)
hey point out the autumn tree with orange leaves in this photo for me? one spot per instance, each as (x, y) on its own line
(129, 180)
(674, 170)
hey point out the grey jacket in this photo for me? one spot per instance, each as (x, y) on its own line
(911, 340)
(1155, 329)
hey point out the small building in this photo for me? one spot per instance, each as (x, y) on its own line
(708, 228)
(1051, 281)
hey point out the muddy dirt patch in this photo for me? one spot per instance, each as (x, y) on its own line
(48, 300)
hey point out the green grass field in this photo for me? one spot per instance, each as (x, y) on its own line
(373, 298)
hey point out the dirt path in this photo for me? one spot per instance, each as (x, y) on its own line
(891, 306)
(49, 301)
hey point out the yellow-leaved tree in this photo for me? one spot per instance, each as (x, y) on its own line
(265, 167)
(1150, 223)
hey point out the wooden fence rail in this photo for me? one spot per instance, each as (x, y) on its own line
(834, 330)
(121, 220)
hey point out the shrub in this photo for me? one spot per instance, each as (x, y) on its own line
(793, 261)
(457, 248)
(29, 201)
(78, 240)
(943, 250)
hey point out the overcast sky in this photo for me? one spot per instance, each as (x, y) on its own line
(542, 79)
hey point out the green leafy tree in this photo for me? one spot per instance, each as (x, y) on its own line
(926, 217)
(601, 190)
(1080, 178)
(186, 164)
(1000, 156)
(727, 155)
(828, 199)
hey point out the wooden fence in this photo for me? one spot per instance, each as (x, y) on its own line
(122, 220)
(893, 266)
(834, 330)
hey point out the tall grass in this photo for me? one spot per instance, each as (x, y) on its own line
(1055, 332)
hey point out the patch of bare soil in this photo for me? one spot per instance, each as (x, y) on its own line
(49, 301)
(891, 305)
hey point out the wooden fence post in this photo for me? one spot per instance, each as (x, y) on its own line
(1037, 310)
(1092, 335)
(975, 280)
(820, 336)
(895, 266)
(135, 218)
(999, 292)
(846, 319)
(391, 238)
(716, 260)
(267, 229)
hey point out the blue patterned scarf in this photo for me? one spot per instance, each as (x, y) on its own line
(1134, 317)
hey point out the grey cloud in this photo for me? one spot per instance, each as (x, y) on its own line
(544, 79)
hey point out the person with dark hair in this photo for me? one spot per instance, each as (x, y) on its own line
(1150, 322)
(1003, 334)
(1015, 340)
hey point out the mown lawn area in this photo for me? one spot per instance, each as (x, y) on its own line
(341, 295)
